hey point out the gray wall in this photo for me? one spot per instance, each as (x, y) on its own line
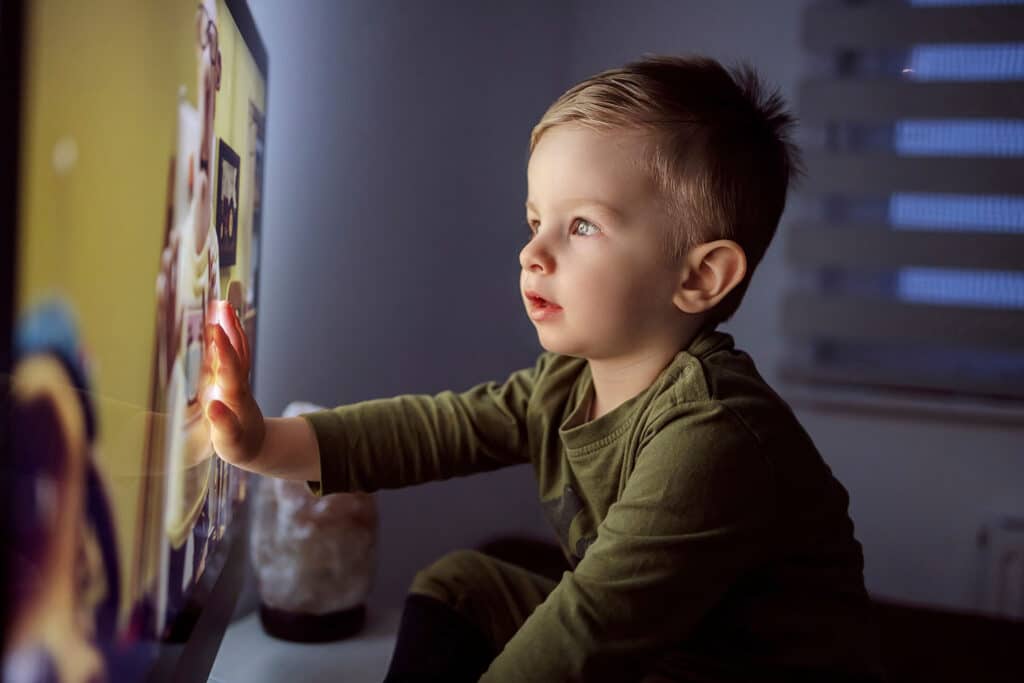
(394, 188)
(396, 153)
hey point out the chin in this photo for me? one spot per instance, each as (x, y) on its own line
(556, 343)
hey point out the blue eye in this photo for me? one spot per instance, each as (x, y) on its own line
(585, 228)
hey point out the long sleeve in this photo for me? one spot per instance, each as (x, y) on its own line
(691, 519)
(411, 439)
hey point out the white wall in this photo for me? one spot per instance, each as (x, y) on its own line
(394, 188)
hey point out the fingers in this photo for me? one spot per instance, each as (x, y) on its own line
(236, 333)
(231, 376)
(224, 317)
(247, 353)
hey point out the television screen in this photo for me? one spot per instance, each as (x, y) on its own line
(131, 202)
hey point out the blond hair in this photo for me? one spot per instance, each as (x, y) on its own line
(719, 148)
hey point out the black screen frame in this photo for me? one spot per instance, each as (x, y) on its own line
(11, 37)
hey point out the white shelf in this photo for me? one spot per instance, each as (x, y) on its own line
(247, 654)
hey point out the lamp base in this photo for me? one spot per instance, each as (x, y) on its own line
(312, 628)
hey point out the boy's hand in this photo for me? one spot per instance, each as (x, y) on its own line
(237, 429)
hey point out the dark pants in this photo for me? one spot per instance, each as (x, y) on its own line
(462, 609)
(459, 614)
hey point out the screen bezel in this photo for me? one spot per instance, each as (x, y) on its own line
(11, 36)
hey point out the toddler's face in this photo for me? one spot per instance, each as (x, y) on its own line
(594, 277)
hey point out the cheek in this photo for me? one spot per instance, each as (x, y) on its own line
(611, 281)
(633, 298)
(600, 300)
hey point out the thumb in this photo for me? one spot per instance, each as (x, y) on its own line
(226, 427)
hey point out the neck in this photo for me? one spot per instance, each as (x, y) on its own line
(620, 378)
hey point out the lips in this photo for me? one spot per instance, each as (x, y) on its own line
(539, 308)
(537, 301)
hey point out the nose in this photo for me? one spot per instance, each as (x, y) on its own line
(535, 257)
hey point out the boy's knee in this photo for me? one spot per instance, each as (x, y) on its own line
(452, 578)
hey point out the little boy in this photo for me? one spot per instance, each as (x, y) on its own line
(707, 538)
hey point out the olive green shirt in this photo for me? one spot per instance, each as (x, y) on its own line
(705, 532)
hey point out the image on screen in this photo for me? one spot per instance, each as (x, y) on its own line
(138, 206)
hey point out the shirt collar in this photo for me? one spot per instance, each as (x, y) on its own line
(708, 341)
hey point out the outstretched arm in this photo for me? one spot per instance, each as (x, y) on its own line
(411, 439)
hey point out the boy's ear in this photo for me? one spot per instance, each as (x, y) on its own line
(709, 272)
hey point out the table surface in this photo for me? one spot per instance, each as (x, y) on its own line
(248, 654)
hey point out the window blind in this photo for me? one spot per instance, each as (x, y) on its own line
(907, 249)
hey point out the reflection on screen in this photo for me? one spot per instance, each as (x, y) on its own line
(140, 205)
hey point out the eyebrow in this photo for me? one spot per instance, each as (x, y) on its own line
(576, 202)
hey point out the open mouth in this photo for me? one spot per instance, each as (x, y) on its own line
(540, 303)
